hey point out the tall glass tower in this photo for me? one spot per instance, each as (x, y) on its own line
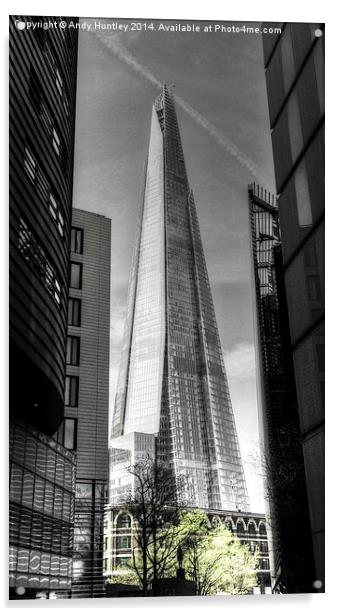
(172, 382)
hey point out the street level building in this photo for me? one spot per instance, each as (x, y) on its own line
(43, 67)
(249, 528)
(291, 559)
(294, 64)
(172, 384)
(85, 427)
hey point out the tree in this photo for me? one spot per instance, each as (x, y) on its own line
(282, 466)
(155, 504)
(213, 558)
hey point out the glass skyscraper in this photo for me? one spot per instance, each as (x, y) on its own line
(172, 382)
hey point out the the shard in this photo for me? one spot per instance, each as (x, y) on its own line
(172, 382)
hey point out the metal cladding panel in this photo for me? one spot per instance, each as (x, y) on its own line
(93, 369)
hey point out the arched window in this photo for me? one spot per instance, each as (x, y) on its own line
(124, 520)
(228, 524)
(262, 529)
(240, 527)
(251, 528)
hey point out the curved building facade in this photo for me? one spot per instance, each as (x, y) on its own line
(43, 66)
(42, 115)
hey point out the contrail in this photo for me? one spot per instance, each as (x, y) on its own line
(111, 43)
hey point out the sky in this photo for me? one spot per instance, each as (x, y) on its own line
(219, 83)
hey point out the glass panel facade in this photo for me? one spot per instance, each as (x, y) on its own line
(88, 537)
(40, 527)
(147, 348)
(172, 380)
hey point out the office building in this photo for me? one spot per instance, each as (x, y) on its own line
(172, 383)
(85, 427)
(294, 64)
(292, 554)
(43, 67)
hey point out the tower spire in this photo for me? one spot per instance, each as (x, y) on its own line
(172, 382)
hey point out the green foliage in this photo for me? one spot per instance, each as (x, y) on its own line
(214, 559)
(124, 575)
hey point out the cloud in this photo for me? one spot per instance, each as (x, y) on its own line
(112, 42)
(240, 362)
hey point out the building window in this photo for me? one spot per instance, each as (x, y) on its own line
(34, 254)
(252, 546)
(54, 209)
(83, 490)
(56, 142)
(58, 79)
(240, 528)
(71, 390)
(30, 164)
(73, 350)
(76, 275)
(262, 529)
(52, 132)
(264, 547)
(74, 312)
(70, 433)
(251, 528)
(76, 240)
(124, 521)
(123, 542)
(43, 187)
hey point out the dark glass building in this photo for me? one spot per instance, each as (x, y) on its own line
(292, 555)
(294, 64)
(43, 66)
(85, 428)
(172, 392)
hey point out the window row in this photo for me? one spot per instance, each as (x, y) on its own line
(34, 254)
(36, 493)
(41, 107)
(37, 177)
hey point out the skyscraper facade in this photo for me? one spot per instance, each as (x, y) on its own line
(85, 427)
(43, 69)
(172, 383)
(294, 63)
(292, 555)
